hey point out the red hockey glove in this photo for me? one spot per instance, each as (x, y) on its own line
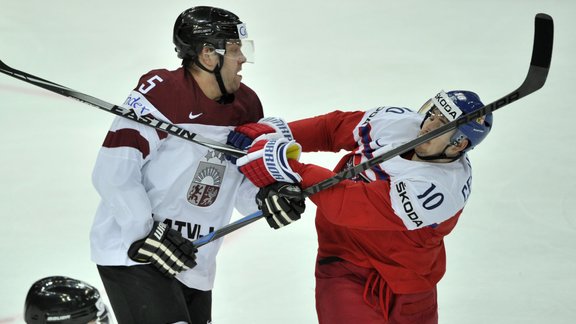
(267, 162)
(267, 128)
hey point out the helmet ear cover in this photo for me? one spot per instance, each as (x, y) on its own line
(459, 138)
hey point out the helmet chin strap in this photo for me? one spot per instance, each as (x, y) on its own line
(226, 97)
(440, 156)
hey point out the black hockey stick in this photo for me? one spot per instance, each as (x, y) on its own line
(535, 79)
(120, 111)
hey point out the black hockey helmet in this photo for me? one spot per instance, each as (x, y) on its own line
(198, 26)
(64, 300)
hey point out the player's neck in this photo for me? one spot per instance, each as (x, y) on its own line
(206, 82)
(411, 155)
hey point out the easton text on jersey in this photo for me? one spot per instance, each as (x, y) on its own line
(150, 120)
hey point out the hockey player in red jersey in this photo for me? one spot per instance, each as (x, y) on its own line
(380, 235)
(158, 192)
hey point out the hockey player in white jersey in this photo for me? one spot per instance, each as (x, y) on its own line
(380, 236)
(159, 192)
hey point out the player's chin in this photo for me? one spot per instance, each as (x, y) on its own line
(237, 80)
(234, 85)
(422, 149)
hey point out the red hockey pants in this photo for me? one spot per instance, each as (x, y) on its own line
(348, 294)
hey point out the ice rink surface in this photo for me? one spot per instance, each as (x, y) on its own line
(511, 259)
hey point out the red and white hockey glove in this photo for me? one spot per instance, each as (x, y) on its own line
(267, 162)
(267, 128)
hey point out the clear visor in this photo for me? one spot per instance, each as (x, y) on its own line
(426, 107)
(433, 112)
(237, 49)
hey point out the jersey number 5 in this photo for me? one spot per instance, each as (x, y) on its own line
(144, 88)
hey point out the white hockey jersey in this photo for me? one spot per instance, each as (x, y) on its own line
(421, 193)
(144, 175)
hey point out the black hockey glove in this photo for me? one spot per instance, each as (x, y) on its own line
(166, 249)
(281, 203)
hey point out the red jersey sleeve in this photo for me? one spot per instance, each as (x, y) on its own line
(353, 204)
(331, 132)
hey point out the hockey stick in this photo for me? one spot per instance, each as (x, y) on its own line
(535, 79)
(120, 111)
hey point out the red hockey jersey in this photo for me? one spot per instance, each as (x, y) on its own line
(394, 217)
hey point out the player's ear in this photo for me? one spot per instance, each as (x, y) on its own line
(461, 145)
(208, 57)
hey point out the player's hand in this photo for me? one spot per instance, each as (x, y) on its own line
(267, 128)
(281, 203)
(166, 249)
(267, 162)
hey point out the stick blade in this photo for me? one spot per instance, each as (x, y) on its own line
(541, 55)
(543, 40)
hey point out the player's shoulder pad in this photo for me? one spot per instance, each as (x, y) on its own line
(384, 112)
(159, 82)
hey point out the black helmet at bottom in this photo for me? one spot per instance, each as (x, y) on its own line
(64, 300)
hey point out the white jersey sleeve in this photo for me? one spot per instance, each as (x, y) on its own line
(117, 178)
(246, 199)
